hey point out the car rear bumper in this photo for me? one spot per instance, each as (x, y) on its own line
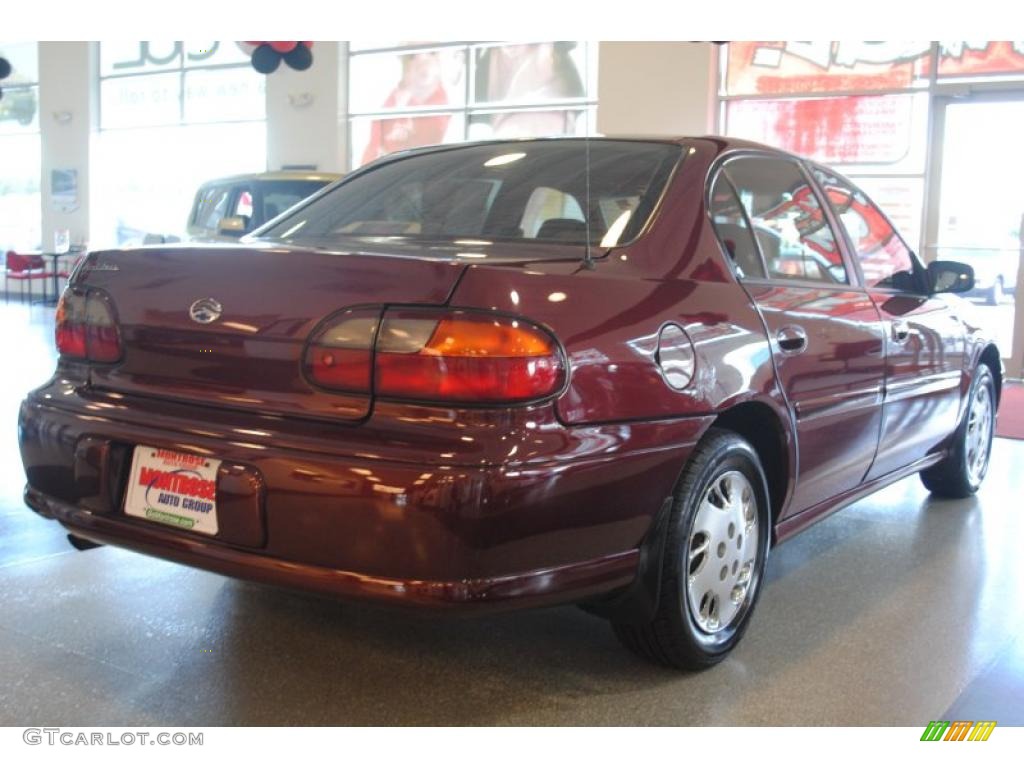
(358, 513)
(559, 584)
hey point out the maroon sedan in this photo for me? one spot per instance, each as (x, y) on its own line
(511, 374)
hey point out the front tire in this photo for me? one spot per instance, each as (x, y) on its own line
(959, 475)
(714, 559)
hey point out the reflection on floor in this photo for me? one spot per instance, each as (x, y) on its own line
(1011, 411)
(898, 610)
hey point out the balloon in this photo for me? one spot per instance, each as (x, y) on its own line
(282, 46)
(265, 59)
(300, 58)
(5, 68)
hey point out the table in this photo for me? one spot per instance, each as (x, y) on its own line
(55, 271)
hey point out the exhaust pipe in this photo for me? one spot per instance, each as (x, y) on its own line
(82, 544)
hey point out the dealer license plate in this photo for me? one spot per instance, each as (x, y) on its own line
(176, 489)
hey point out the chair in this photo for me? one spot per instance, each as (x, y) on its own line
(24, 268)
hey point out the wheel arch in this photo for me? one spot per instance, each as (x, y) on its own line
(762, 426)
(990, 357)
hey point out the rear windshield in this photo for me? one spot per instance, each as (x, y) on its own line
(532, 191)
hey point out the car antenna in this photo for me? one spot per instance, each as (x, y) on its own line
(588, 257)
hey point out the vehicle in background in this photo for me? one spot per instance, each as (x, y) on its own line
(228, 208)
(18, 104)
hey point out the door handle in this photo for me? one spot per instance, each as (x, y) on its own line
(792, 339)
(900, 330)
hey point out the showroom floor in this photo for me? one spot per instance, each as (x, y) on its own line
(898, 610)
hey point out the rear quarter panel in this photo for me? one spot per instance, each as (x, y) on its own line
(608, 317)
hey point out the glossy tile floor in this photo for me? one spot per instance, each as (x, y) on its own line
(897, 610)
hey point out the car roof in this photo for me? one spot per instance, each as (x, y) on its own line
(324, 176)
(724, 143)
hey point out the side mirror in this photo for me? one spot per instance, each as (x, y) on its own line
(233, 226)
(950, 277)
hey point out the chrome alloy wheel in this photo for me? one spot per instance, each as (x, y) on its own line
(722, 552)
(978, 439)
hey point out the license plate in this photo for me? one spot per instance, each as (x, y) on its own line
(176, 489)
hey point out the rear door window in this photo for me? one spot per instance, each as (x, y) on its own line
(789, 223)
(733, 232)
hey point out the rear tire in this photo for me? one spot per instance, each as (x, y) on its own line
(714, 558)
(960, 474)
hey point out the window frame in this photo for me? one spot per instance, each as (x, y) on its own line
(854, 278)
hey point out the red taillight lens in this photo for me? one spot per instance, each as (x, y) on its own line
(70, 325)
(469, 357)
(86, 328)
(436, 355)
(340, 356)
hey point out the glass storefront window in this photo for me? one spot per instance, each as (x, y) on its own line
(140, 100)
(889, 129)
(764, 68)
(377, 136)
(223, 95)
(530, 73)
(20, 204)
(983, 58)
(522, 124)
(173, 115)
(138, 192)
(427, 93)
(149, 56)
(408, 81)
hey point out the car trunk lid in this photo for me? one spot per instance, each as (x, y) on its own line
(271, 298)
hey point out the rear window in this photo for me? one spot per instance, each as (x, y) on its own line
(518, 191)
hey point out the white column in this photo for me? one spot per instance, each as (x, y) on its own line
(66, 86)
(663, 88)
(303, 115)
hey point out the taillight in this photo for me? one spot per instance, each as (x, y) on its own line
(86, 328)
(70, 325)
(437, 355)
(341, 355)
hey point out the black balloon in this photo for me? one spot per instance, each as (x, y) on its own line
(299, 57)
(265, 59)
(5, 68)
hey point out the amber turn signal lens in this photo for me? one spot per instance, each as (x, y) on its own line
(465, 357)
